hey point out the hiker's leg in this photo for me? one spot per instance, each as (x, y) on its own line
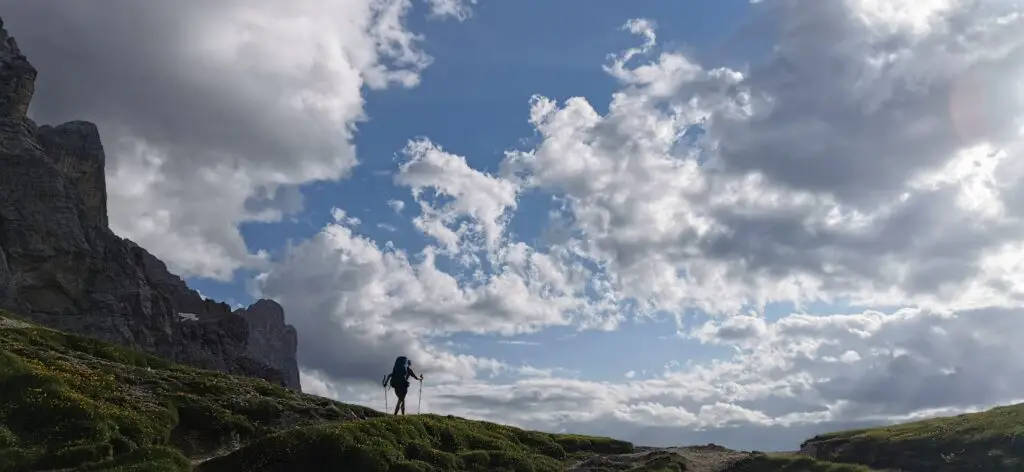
(400, 406)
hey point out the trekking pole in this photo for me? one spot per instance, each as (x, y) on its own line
(384, 384)
(419, 401)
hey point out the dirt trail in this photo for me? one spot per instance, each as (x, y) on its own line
(710, 458)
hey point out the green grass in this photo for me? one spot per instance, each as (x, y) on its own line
(413, 443)
(75, 402)
(991, 440)
(71, 400)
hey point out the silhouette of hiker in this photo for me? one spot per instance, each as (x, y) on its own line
(399, 379)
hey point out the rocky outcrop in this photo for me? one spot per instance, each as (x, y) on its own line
(62, 266)
(271, 341)
(76, 150)
(17, 78)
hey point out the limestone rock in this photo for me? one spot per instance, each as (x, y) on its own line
(62, 266)
(76, 150)
(17, 77)
(271, 341)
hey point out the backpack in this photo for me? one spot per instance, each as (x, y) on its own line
(400, 372)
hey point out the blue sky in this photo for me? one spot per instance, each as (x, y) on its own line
(785, 217)
(474, 99)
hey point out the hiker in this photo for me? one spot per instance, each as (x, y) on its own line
(399, 380)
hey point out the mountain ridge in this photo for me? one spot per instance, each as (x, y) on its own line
(62, 266)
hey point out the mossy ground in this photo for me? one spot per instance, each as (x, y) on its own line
(414, 443)
(75, 402)
(991, 440)
(71, 400)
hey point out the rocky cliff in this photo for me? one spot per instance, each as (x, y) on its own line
(271, 341)
(62, 266)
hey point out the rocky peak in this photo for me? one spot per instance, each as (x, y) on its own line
(62, 266)
(267, 312)
(17, 78)
(270, 339)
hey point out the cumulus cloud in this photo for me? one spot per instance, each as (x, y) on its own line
(874, 155)
(486, 201)
(356, 303)
(235, 102)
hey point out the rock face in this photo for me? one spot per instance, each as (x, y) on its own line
(76, 150)
(271, 341)
(62, 266)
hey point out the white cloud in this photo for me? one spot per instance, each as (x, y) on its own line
(518, 342)
(889, 364)
(458, 9)
(356, 303)
(396, 205)
(868, 185)
(234, 102)
(801, 188)
(340, 215)
(484, 199)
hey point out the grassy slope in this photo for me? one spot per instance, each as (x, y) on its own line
(72, 401)
(976, 441)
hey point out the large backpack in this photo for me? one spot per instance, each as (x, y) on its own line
(400, 372)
